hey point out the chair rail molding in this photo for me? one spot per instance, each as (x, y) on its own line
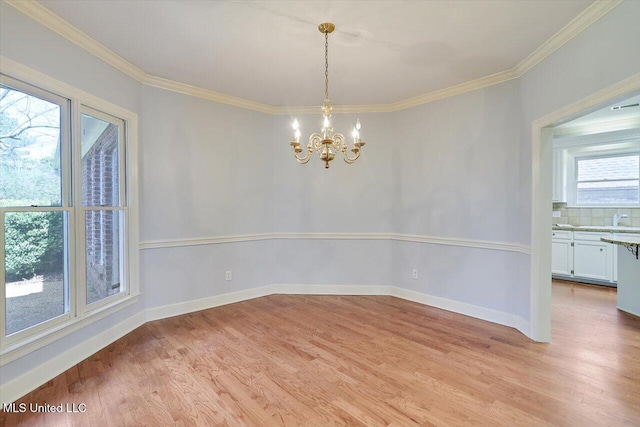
(448, 241)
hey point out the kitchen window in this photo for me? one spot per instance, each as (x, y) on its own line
(611, 180)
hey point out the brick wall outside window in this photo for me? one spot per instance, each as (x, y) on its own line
(101, 188)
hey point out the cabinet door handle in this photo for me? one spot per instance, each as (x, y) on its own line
(601, 249)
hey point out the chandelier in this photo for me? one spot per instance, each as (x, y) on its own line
(326, 143)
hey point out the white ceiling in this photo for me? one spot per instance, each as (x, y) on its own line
(271, 51)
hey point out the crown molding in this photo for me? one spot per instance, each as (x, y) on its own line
(211, 95)
(450, 91)
(597, 10)
(41, 14)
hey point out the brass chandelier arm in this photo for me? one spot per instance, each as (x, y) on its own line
(295, 145)
(350, 160)
(305, 159)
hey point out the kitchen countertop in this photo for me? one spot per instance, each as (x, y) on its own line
(598, 228)
(631, 240)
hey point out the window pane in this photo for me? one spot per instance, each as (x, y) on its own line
(610, 192)
(609, 168)
(36, 282)
(104, 240)
(100, 172)
(29, 150)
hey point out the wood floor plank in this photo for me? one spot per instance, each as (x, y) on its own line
(288, 360)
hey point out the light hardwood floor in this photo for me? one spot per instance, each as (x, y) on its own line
(329, 360)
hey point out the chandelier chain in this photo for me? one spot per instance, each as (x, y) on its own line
(326, 65)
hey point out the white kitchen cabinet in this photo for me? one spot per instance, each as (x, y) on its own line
(559, 182)
(581, 255)
(562, 252)
(592, 260)
(561, 257)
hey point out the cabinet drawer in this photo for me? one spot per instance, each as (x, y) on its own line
(561, 234)
(589, 235)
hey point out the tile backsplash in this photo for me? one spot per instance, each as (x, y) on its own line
(595, 216)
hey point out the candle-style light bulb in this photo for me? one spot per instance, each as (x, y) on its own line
(358, 124)
(297, 134)
(326, 122)
(295, 125)
(355, 134)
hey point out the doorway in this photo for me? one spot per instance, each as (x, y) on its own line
(542, 165)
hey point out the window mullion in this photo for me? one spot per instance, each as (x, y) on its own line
(605, 180)
(3, 313)
(79, 283)
(122, 165)
(68, 136)
(66, 129)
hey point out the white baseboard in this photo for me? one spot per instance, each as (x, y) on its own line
(521, 325)
(331, 290)
(475, 311)
(39, 375)
(34, 378)
(180, 308)
(629, 311)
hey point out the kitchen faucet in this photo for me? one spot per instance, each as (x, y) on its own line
(617, 218)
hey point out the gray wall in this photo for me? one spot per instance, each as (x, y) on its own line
(211, 170)
(457, 177)
(456, 166)
(205, 168)
(345, 198)
(206, 172)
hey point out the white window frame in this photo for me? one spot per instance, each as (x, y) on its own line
(604, 155)
(605, 144)
(81, 211)
(79, 314)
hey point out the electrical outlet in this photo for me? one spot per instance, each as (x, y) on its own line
(228, 275)
(556, 214)
(414, 274)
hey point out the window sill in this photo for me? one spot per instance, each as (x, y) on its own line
(603, 206)
(33, 343)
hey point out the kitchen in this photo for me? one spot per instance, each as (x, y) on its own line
(596, 198)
